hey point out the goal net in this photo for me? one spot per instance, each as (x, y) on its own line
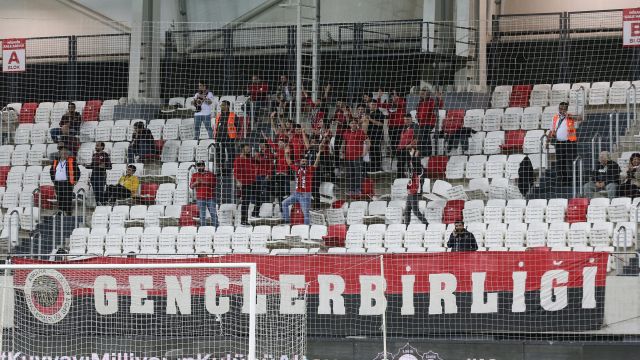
(166, 311)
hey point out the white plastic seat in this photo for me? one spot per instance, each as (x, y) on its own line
(493, 142)
(171, 129)
(456, 167)
(22, 134)
(514, 211)
(187, 129)
(531, 118)
(578, 234)
(20, 155)
(494, 236)
(540, 95)
(186, 151)
(556, 209)
(535, 211)
(599, 93)
(119, 130)
(500, 96)
(537, 234)
(492, 120)
(511, 119)
(494, 211)
(119, 152)
(495, 166)
(557, 234)
(170, 151)
(515, 235)
(559, 93)
(619, 93)
(512, 165)
(476, 166)
(532, 144)
(601, 234)
(433, 236)
(473, 119)
(546, 119)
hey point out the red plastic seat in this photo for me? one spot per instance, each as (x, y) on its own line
(514, 140)
(520, 95)
(187, 215)
(452, 211)
(577, 210)
(336, 235)
(91, 110)
(27, 113)
(4, 172)
(297, 217)
(437, 166)
(47, 193)
(453, 122)
(148, 192)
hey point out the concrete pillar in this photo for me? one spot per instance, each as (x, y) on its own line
(144, 59)
(135, 50)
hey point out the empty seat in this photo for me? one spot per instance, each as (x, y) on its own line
(473, 119)
(500, 96)
(620, 92)
(599, 93)
(456, 167)
(492, 119)
(511, 119)
(520, 95)
(540, 95)
(493, 142)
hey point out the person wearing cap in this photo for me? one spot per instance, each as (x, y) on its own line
(64, 173)
(127, 186)
(204, 183)
(304, 182)
(461, 239)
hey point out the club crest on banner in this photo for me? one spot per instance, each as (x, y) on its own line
(48, 295)
(408, 352)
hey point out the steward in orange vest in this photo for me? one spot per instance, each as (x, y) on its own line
(222, 133)
(562, 114)
(65, 173)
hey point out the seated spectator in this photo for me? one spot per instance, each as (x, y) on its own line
(461, 239)
(73, 118)
(126, 188)
(142, 143)
(66, 137)
(526, 176)
(599, 188)
(630, 187)
(607, 172)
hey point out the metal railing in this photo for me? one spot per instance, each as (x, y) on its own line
(33, 196)
(189, 190)
(9, 233)
(82, 192)
(612, 125)
(544, 154)
(577, 177)
(212, 164)
(594, 153)
(53, 229)
(620, 261)
(628, 95)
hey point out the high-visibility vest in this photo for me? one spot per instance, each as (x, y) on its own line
(231, 125)
(70, 172)
(571, 127)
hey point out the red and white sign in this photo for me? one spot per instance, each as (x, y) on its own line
(631, 27)
(14, 55)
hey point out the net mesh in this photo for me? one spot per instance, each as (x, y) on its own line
(131, 313)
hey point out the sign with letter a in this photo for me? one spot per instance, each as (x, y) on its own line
(631, 27)
(14, 55)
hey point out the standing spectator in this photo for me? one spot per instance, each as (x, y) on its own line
(564, 132)
(427, 115)
(258, 92)
(414, 187)
(630, 187)
(66, 137)
(225, 132)
(100, 163)
(298, 142)
(609, 173)
(264, 161)
(204, 183)
(461, 239)
(284, 88)
(203, 100)
(142, 143)
(126, 188)
(64, 174)
(304, 181)
(397, 111)
(374, 126)
(353, 149)
(407, 141)
(73, 118)
(244, 171)
(280, 182)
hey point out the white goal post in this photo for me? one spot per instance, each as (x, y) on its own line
(47, 282)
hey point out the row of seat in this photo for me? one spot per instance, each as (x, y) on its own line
(597, 93)
(187, 239)
(49, 112)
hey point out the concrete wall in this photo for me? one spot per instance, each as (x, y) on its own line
(538, 6)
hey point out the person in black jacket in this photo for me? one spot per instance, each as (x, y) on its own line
(142, 143)
(65, 173)
(461, 239)
(607, 171)
(100, 163)
(526, 176)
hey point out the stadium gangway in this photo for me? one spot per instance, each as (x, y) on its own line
(189, 190)
(53, 229)
(614, 138)
(577, 177)
(624, 255)
(594, 153)
(33, 196)
(212, 164)
(32, 237)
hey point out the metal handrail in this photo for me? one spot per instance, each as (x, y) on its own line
(635, 100)
(35, 234)
(577, 160)
(33, 193)
(617, 136)
(619, 261)
(593, 148)
(611, 142)
(584, 99)
(543, 153)
(189, 173)
(214, 162)
(9, 244)
(637, 213)
(84, 207)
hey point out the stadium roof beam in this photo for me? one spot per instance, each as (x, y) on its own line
(92, 14)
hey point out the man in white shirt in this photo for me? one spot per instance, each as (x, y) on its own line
(564, 132)
(205, 104)
(64, 174)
